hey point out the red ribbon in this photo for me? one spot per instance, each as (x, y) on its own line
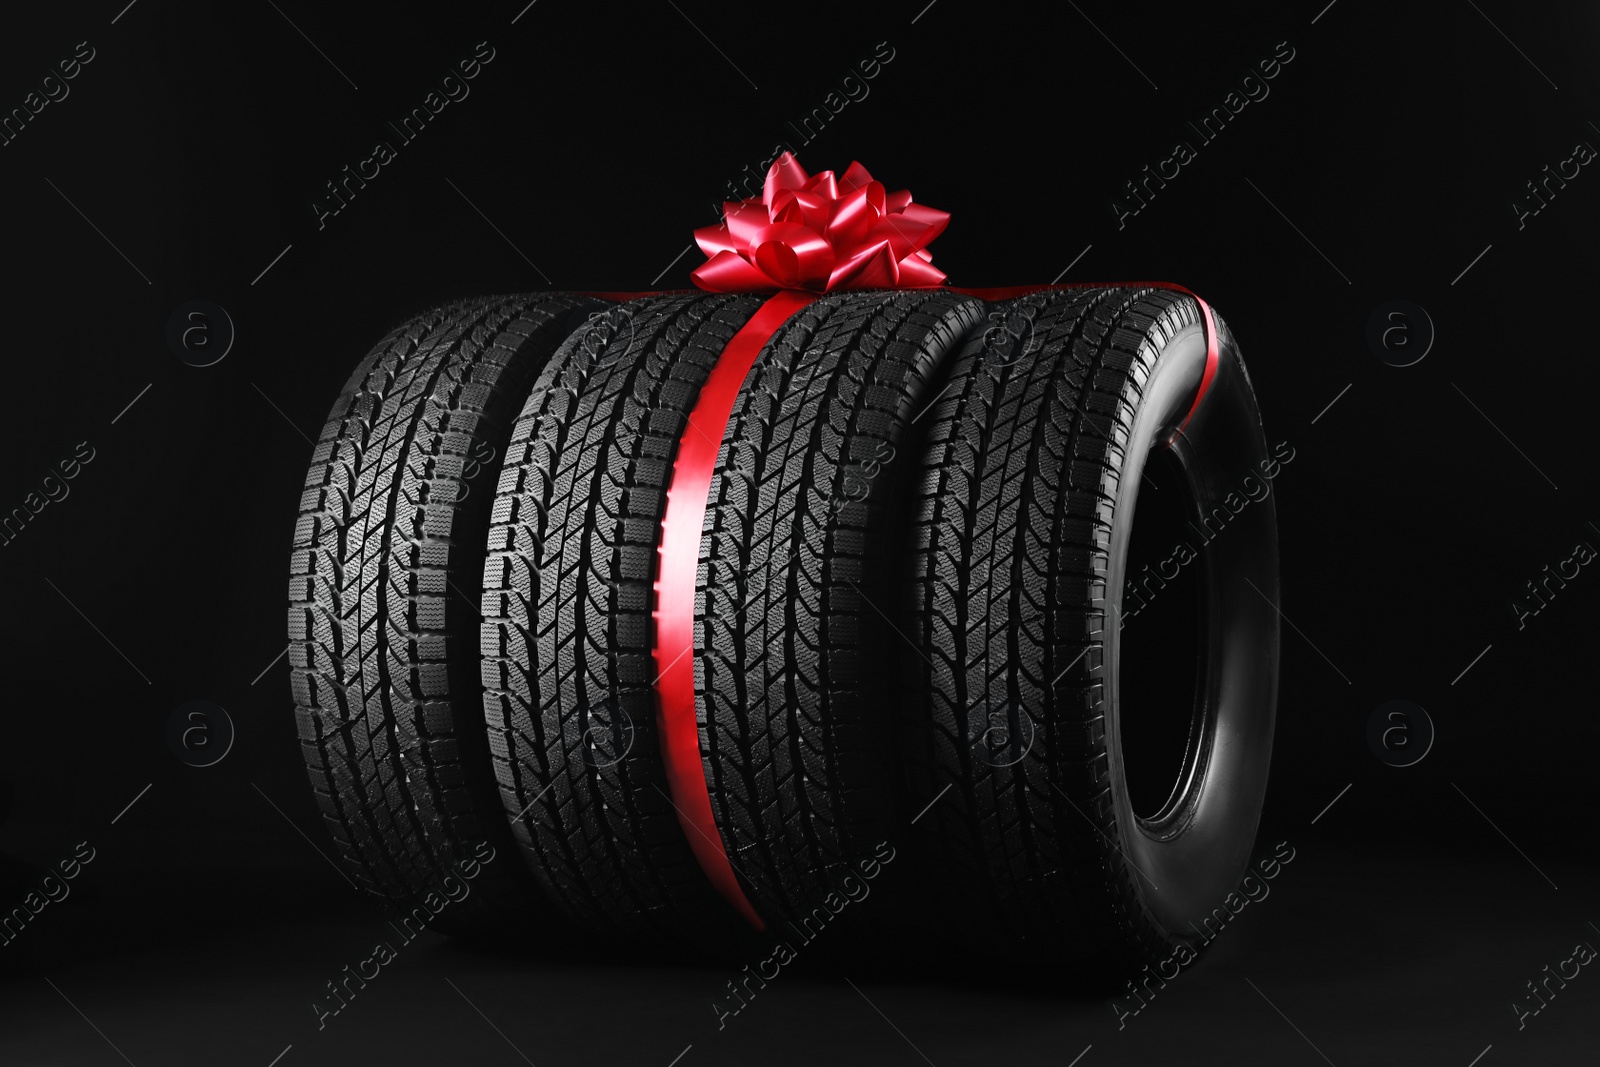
(803, 233)
(687, 490)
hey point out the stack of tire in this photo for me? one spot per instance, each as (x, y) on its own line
(905, 639)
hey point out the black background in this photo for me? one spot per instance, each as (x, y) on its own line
(1383, 161)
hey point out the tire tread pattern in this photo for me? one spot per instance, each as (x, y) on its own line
(567, 634)
(793, 587)
(387, 553)
(1008, 599)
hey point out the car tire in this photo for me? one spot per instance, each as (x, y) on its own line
(566, 640)
(796, 591)
(1019, 732)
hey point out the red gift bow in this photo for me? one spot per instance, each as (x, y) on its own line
(801, 233)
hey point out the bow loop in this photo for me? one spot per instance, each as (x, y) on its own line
(820, 233)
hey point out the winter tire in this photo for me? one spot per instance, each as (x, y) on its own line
(796, 585)
(384, 590)
(1019, 740)
(566, 640)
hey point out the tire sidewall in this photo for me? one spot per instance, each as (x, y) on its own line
(1187, 862)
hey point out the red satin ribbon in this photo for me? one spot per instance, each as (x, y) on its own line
(687, 490)
(1211, 361)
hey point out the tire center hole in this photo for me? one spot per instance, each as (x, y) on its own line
(1161, 639)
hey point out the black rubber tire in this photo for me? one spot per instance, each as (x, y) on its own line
(567, 636)
(384, 589)
(1033, 467)
(797, 575)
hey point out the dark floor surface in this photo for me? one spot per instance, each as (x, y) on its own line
(1355, 957)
